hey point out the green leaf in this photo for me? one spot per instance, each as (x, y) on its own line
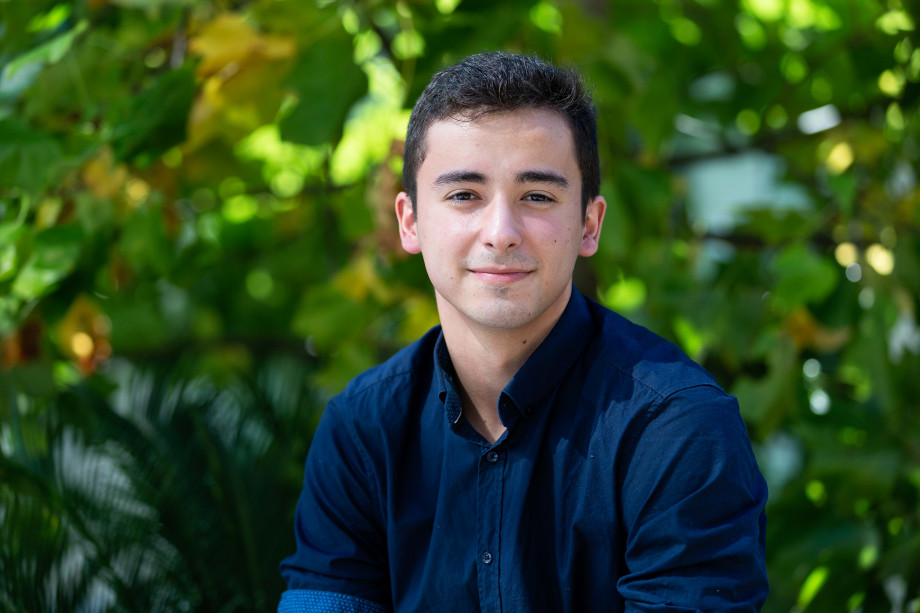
(812, 585)
(328, 316)
(13, 85)
(777, 226)
(46, 53)
(9, 259)
(144, 242)
(871, 473)
(51, 20)
(29, 159)
(769, 399)
(627, 294)
(651, 187)
(157, 119)
(9, 314)
(137, 323)
(845, 190)
(351, 358)
(54, 256)
(328, 84)
(151, 4)
(34, 379)
(802, 276)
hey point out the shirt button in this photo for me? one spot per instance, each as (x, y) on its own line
(486, 558)
(492, 456)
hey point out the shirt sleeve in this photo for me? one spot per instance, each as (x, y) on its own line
(340, 565)
(693, 509)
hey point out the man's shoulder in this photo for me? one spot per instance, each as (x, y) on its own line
(645, 357)
(405, 369)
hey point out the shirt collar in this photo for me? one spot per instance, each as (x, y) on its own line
(542, 371)
(545, 368)
(447, 384)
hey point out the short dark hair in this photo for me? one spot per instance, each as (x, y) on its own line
(496, 82)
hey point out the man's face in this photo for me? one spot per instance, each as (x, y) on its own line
(499, 221)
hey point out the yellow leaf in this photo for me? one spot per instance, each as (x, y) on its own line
(228, 39)
(808, 332)
(225, 40)
(421, 316)
(360, 280)
(801, 326)
(103, 177)
(242, 69)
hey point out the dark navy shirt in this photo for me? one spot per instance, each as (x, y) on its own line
(625, 481)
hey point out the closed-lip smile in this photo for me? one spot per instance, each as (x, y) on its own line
(499, 274)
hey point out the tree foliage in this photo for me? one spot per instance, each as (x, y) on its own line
(197, 247)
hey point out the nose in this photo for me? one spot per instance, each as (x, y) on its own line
(500, 226)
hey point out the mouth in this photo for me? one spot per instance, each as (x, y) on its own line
(499, 276)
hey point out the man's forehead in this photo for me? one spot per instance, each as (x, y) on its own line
(456, 126)
(476, 117)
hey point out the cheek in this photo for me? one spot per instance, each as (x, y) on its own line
(443, 228)
(560, 235)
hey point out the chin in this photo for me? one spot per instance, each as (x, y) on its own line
(504, 317)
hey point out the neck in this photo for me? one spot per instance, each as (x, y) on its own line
(485, 359)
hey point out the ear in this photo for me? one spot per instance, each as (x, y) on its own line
(594, 218)
(408, 229)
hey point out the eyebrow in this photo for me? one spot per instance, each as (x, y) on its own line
(526, 176)
(541, 176)
(460, 176)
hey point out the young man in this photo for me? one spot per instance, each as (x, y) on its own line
(535, 452)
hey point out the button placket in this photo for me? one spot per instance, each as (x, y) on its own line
(489, 514)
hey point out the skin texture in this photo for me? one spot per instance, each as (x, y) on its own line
(499, 226)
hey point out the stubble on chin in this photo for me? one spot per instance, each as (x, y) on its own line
(500, 310)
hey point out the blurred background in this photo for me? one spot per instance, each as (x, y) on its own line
(197, 249)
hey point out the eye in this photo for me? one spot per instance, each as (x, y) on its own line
(537, 197)
(461, 196)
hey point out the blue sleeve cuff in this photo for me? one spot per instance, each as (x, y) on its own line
(315, 601)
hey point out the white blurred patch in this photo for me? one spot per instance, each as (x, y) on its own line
(903, 336)
(819, 119)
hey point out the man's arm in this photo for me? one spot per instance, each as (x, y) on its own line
(693, 501)
(341, 564)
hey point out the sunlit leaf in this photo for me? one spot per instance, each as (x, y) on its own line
(625, 295)
(9, 257)
(546, 17)
(49, 52)
(895, 21)
(408, 44)
(689, 337)
(54, 256)
(813, 583)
